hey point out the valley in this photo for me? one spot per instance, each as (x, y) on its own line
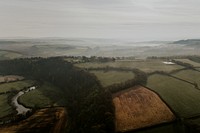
(79, 91)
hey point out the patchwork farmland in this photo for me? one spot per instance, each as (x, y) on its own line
(194, 64)
(189, 75)
(148, 65)
(172, 89)
(161, 97)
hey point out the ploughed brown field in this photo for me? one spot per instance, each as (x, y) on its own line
(48, 120)
(10, 78)
(139, 107)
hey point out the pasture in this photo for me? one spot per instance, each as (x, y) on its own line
(107, 78)
(193, 124)
(164, 128)
(194, 64)
(9, 55)
(5, 108)
(45, 95)
(149, 65)
(189, 75)
(182, 97)
(18, 85)
(139, 107)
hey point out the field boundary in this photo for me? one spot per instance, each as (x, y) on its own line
(175, 114)
(108, 68)
(11, 51)
(166, 74)
(149, 127)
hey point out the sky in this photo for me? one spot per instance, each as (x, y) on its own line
(139, 20)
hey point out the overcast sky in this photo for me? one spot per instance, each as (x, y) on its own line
(139, 20)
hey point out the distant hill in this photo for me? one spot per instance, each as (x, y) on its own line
(188, 42)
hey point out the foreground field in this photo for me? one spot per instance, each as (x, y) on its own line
(112, 77)
(164, 128)
(144, 65)
(5, 108)
(139, 107)
(181, 96)
(193, 125)
(44, 96)
(42, 121)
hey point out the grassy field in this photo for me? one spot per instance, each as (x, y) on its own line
(189, 75)
(18, 85)
(166, 128)
(5, 108)
(194, 124)
(44, 121)
(181, 96)
(144, 65)
(44, 96)
(9, 55)
(112, 77)
(148, 109)
(195, 64)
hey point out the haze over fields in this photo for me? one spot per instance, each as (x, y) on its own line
(99, 27)
(46, 47)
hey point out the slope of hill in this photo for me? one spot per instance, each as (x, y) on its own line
(193, 42)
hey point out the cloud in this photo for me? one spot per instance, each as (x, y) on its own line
(100, 18)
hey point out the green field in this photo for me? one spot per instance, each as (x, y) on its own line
(189, 75)
(168, 128)
(112, 77)
(193, 123)
(18, 85)
(195, 64)
(44, 96)
(5, 108)
(144, 65)
(182, 97)
(198, 69)
(8, 55)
